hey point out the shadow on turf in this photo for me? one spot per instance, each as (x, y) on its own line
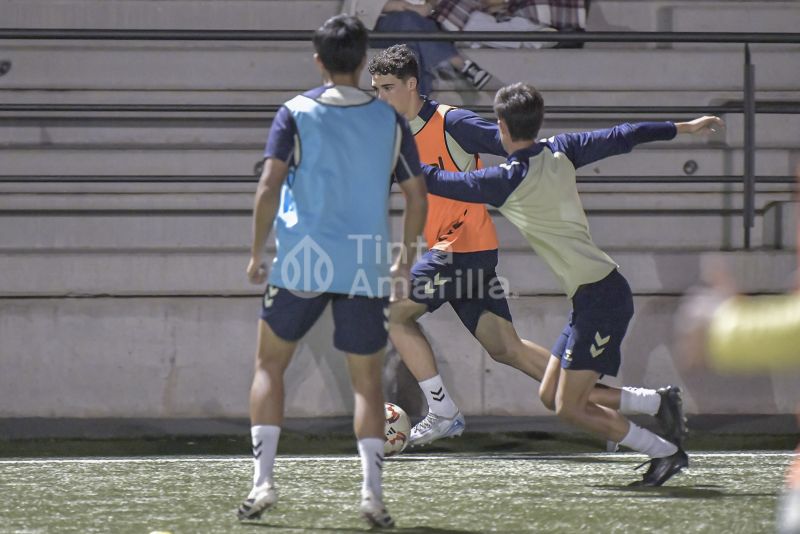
(515, 456)
(403, 530)
(680, 492)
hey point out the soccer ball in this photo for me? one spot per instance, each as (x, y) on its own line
(397, 429)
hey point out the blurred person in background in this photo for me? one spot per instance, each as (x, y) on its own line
(514, 15)
(416, 16)
(745, 334)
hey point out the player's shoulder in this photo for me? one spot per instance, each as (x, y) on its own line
(556, 144)
(519, 160)
(314, 93)
(337, 96)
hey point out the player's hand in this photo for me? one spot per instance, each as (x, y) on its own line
(704, 125)
(401, 280)
(256, 271)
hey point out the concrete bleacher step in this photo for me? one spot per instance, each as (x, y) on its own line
(194, 219)
(169, 14)
(752, 16)
(708, 15)
(781, 220)
(213, 160)
(613, 229)
(772, 131)
(266, 96)
(252, 67)
(626, 15)
(222, 272)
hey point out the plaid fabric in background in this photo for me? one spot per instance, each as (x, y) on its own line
(558, 14)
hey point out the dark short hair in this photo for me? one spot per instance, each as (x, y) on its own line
(521, 107)
(398, 60)
(341, 44)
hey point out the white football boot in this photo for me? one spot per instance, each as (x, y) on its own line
(435, 427)
(374, 512)
(260, 499)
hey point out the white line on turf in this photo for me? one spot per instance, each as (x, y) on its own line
(353, 458)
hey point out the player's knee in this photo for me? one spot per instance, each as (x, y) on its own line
(405, 311)
(503, 356)
(271, 366)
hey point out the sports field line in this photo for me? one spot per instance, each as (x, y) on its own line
(354, 458)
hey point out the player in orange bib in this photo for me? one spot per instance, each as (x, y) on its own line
(459, 266)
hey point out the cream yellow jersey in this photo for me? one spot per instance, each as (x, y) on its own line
(536, 190)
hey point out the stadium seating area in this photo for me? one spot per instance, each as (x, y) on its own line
(161, 263)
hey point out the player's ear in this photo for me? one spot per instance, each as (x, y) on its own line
(319, 64)
(411, 83)
(502, 125)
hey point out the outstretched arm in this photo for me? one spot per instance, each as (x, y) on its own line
(491, 185)
(587, 147)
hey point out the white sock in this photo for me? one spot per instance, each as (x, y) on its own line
(646, 442)
(439, 401)
(639, 400)
(371, 452)
(265, 445)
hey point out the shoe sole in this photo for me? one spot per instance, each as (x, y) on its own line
(373, 522)
(412, 444)
(672, 472)
(254, 512)
(676, 470)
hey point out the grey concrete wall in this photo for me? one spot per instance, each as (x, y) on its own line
(192, 357)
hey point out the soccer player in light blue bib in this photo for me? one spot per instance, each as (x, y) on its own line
(330, 158)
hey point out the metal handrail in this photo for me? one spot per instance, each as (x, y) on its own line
(305, 35)
(760, 107)
(246, 178)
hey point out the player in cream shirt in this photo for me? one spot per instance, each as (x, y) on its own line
(536, 190)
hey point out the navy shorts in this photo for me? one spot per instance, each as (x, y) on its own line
(360, 323)
(601, 312)
(465, 280)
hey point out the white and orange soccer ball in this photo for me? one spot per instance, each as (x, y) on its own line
(397, 429)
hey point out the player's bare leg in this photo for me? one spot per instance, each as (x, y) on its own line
(498, 336)
(443, 418)
(409, 340)
(368, 423)
(573, 405)
(664, 403)
(273, 355)
(600, 394)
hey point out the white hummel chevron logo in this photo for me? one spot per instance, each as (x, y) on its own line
(600, 341)
(270, 296)
(386, 318)
(436, 281)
